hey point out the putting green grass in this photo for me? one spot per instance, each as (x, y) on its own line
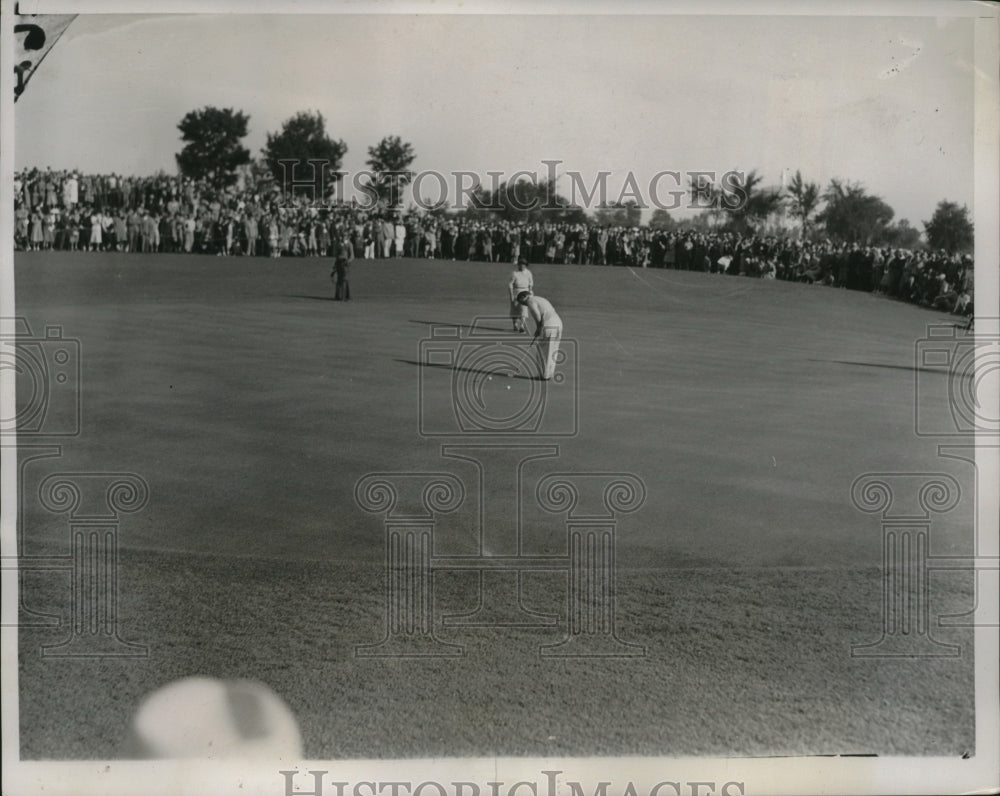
(252, 404)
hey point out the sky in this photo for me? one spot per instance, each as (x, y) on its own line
(884, 101)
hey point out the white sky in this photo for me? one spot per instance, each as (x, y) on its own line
(640, 93)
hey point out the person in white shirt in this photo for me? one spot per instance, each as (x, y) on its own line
(96, 228)
(548, 329)
(400, 230)
(388, 234)
(520, 280)
(71, 191)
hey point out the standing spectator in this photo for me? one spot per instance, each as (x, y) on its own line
(431, 239)
(86, 190)
(108, 231)
(358, 240)
(62, 229)
(388, 234)
(49, 228)
(37, 235)
(878, 270)
(96, 230)
(121, 230)
(500, 253)
(461, 243)
(514, 244)
(252, 231)
(378, 232)
(132, 227)
(111, 190)
(323, 238)
(147, 230)
(538, 249)
(312, 243)
(21, 226)
(228, 225)
(70, 191)
(549, 246)
(286, 237)
(85, 229)
(50, 190)
(177, 226)
(156, 233)
(166, 233)
(369, 240)
(273, 233)
(73, 227)
(399, 231)
(189, 229)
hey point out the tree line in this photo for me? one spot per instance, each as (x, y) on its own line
(301, 152)
(844, 211)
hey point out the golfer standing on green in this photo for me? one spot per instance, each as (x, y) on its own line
(343, 255)
(520, 280)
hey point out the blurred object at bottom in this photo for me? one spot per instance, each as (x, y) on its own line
(203, 717)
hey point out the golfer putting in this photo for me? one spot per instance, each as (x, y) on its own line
(548, 331)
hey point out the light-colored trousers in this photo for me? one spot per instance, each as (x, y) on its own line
(548, 350)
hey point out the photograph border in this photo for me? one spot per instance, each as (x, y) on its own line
(743, 776)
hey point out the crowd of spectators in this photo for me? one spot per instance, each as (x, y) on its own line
(77, 212)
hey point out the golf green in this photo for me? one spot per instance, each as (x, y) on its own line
(740, 413)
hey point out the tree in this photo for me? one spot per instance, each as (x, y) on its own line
(703, 222)
(704, 195)
(390, 160)
(736, 201)
(950, 228)
(852, 215)
(302, 157)
(747, 206)
(901, 235)
(703, 191)
(440, 210)
(804, 200)
(525, 200)
(619, 214)
(661, 219)
(212, 144)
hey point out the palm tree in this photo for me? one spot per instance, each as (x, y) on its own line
(804, 199)
(748, 205)
(854, 215)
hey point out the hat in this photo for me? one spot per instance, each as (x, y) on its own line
(522, 260)
(523, 295)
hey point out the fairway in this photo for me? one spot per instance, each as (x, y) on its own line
(252, 405)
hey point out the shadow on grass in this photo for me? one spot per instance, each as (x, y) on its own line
(460, 369)
(912, 368)
(314, 298)
(466, 328)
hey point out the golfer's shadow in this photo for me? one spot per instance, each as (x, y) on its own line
(462, 369)
(465, 328)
